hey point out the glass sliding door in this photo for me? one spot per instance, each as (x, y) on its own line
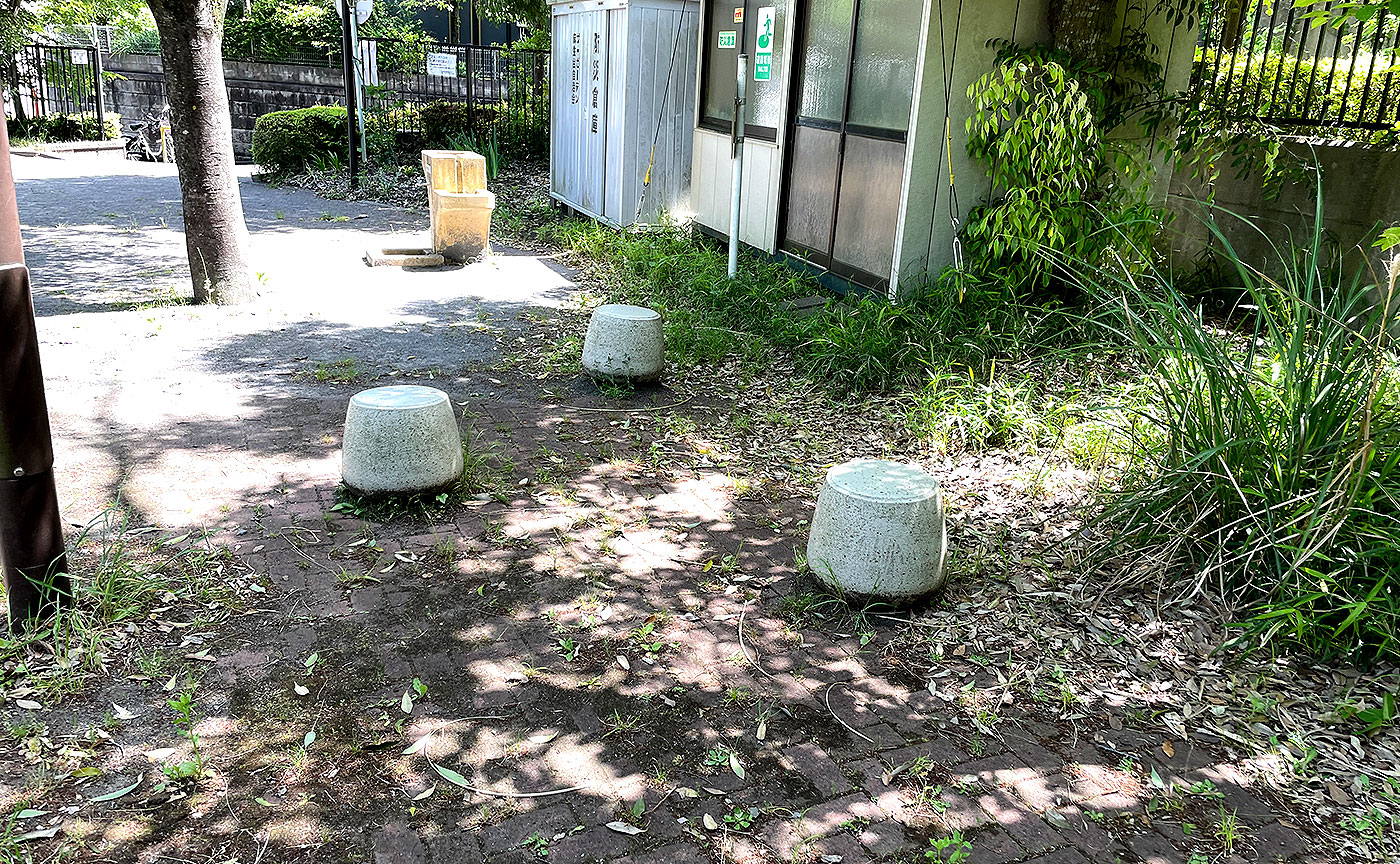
(845, 166)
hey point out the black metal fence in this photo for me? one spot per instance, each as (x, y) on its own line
(505, 91)
(1271, 61)
(56, 79)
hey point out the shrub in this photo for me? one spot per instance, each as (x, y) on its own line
(1271, 477)
(444, 121)
(287, 141)
(67, 127)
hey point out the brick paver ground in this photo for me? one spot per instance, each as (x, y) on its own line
(215, 418)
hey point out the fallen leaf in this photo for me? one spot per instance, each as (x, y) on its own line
(112, 796)
(624, 828)
(1168, 749)
(42, 834)
(709, 822)
(29, 704)
(735, 766)
(425, 793)
(121, 713)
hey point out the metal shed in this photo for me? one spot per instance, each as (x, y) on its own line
(622, 94)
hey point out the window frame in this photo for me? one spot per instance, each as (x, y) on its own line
(715, 124)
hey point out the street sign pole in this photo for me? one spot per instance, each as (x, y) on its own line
(32, 559)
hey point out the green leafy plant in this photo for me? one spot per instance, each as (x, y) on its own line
(488, 147)
(741, 818)
(1039, 129)
(185, 719)
(952, 849)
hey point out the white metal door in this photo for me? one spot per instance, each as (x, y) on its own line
(580, 109)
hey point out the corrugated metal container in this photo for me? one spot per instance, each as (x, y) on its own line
(623, 79)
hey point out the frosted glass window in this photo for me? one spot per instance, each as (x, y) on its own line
(882, 73)
(824, 64)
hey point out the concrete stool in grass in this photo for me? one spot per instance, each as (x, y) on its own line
(878, 531)
(624, 343)
(401, 439)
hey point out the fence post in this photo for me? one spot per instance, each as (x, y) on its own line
(97, 83)
(32, 558)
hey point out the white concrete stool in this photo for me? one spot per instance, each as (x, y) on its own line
(400, 439)
(624, 343)
(878, 531)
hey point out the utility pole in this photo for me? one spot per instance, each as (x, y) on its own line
(32, 559)
(352, 88)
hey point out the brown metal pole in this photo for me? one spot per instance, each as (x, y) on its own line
(32, 558)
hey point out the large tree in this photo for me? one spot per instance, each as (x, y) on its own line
(216, 237)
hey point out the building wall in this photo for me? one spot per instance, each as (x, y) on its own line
(254, 89)
(925, 244)
(1358, 194)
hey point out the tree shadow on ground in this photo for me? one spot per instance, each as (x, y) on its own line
(513, 613)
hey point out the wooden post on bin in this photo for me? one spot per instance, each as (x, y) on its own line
(32, 559)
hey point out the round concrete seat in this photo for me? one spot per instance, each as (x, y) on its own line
(624, 343)
(400, 439)
(878, 531)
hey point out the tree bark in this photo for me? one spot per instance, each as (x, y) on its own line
(216, 237)
(1081, 28)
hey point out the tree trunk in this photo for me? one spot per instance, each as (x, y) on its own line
(1081, 28)
(216, 237)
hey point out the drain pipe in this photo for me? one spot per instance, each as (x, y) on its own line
(32, 560)
(737, 157)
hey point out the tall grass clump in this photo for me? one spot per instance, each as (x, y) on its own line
(1270, 475)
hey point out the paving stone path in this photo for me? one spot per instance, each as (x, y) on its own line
(580, 630)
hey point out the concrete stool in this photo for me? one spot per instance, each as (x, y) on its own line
(878, 531)
(401, 439)
(624, 343)
(459, 207)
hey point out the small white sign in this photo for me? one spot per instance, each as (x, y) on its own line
(80, 57)
(363, 9)
(442, 65)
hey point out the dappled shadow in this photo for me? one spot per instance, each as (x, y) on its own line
(617, 613)
(512, 614)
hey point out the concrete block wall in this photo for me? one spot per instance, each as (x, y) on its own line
(254, 89)
(1358, 194)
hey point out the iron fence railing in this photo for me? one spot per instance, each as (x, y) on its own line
(1273, 62)
(506, 91)
(56, 79)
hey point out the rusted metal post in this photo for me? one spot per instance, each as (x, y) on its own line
(32, 557)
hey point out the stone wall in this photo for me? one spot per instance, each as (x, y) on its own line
(254, 89)
(1358, 192)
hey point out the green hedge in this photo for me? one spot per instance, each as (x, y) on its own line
(1242, 85)
(66, 127)
(445, 121)
(287, 141)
